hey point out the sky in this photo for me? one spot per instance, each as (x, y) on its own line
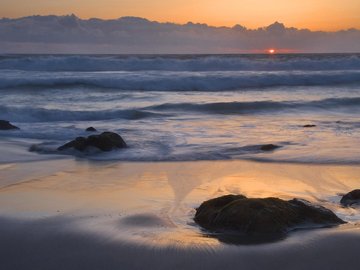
(70, 34)
(327, 15)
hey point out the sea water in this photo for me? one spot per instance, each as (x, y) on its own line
(186, 107)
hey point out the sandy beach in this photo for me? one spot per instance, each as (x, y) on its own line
(80, 214)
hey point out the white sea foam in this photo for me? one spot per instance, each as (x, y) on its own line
(180, 63)
(26, 114)
(177, 81)
(189, 107)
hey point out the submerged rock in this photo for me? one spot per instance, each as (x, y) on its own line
(309, 126)
(247, 216)
(91, 129)
(350, 198)
(106, 141)
(269, 147)
(6, 125)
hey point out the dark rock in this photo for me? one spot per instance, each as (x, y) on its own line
(350, 198)
(91, 129)
(6, 125)
(269, 147)
(309, 126)
(236, 213)
(106, 141)
(208, 210)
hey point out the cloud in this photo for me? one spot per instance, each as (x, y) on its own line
(70, 34)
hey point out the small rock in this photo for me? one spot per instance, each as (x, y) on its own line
(351, 198)
(6, 125)
(309, 126)
(106, 141)
(269, 147)
(236, 213)
(91, 129)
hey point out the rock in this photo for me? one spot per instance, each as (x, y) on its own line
(350, 198)
(91, 129)
(269, 147)
(309, 126)
(106, 141)
(248, 216)
(6, 125)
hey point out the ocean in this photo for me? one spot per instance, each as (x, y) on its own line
(185, 107)
(195, 126)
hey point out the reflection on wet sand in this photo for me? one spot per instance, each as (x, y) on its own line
(157, 200)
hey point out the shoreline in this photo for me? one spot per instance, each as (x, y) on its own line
(17, 150)
(189, 131)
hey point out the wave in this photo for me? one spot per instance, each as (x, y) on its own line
(177, 81)
(261, 106)
(27, 114)
(180, 63)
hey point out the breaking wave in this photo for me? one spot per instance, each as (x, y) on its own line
(177, 81)
(262, 106)
(180, 62)
(31, 114)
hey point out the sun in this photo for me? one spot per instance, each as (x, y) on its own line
(271, 51)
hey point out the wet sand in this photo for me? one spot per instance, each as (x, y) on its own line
(76, 214)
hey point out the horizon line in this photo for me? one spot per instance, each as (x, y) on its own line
(182, 54)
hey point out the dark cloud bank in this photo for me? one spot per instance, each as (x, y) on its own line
(69, 34)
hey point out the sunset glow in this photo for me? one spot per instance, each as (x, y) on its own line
(314, 15)
(179, 134)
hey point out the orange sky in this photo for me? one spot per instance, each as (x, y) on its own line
(312, 14)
